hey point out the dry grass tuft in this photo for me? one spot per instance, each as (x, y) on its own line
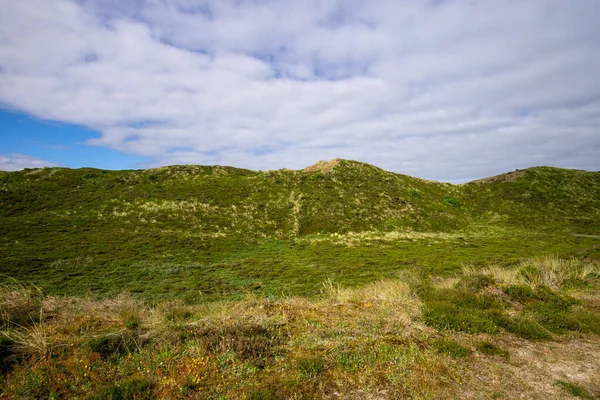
(555, 272)
(32, 339)
(549, 271)
(387, 301)
(508, 276)
(18, 302)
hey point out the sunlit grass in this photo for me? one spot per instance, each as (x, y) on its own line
(355, 342)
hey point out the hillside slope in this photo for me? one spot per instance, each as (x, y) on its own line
(544, 197)
(202, 228)
(350, 196)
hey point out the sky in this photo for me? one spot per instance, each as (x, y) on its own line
(450, 90)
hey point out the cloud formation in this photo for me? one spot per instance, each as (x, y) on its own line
(450, 90)
(15, 162)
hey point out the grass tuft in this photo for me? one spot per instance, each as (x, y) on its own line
(311, 366)
(576, 390)
(20, 304)
(451, 348)
(557, 273)
(491, 349)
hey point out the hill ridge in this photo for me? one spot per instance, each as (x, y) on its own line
(322, 166)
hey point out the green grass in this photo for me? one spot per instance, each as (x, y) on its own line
(217, 282)
(491, 349)
(311, 366)
(451, 348)
(472, 306)
(366, 340)
(211, 233)
(576, 390)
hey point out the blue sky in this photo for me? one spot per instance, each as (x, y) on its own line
(64, 144)
(449, 90)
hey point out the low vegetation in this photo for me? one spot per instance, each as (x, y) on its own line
(341, 281)
(408, 337)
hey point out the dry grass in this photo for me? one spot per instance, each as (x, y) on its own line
(351, 343)
(554, 272)
(32, 339)
(549, 271)
(533, 369)
(384, 296)
(17, 302)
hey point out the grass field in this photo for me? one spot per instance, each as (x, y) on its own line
(530, 330)
(340, 281)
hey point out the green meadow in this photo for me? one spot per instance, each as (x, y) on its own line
(338, 281)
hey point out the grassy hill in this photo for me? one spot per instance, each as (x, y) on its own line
(224, 231)
(338, 281)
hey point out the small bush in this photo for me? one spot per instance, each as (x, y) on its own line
(450, 348)
(451, 201)
(521, 293)
(178, 314)
(586, 321)
(7, 355)
(131, 320)
(462, 310)
(253, 343)
(557, 273)
(549, 311)
(414, 194)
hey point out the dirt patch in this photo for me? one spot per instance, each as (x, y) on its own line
(323, 166)
(507, 177)
(533, 369)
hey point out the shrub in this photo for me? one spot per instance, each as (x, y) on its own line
(557, 273)
(520, 293)
(526, 328)
(7, 355)
(451, 201)
(250, 342)
(131, 320)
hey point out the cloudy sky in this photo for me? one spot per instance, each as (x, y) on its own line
(441, 89)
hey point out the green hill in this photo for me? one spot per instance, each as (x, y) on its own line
(338, 281)
(223, 231)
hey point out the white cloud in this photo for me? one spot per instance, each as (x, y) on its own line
(446, 90)
(15, 162)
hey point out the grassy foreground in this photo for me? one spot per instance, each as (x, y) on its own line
(531, 330)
